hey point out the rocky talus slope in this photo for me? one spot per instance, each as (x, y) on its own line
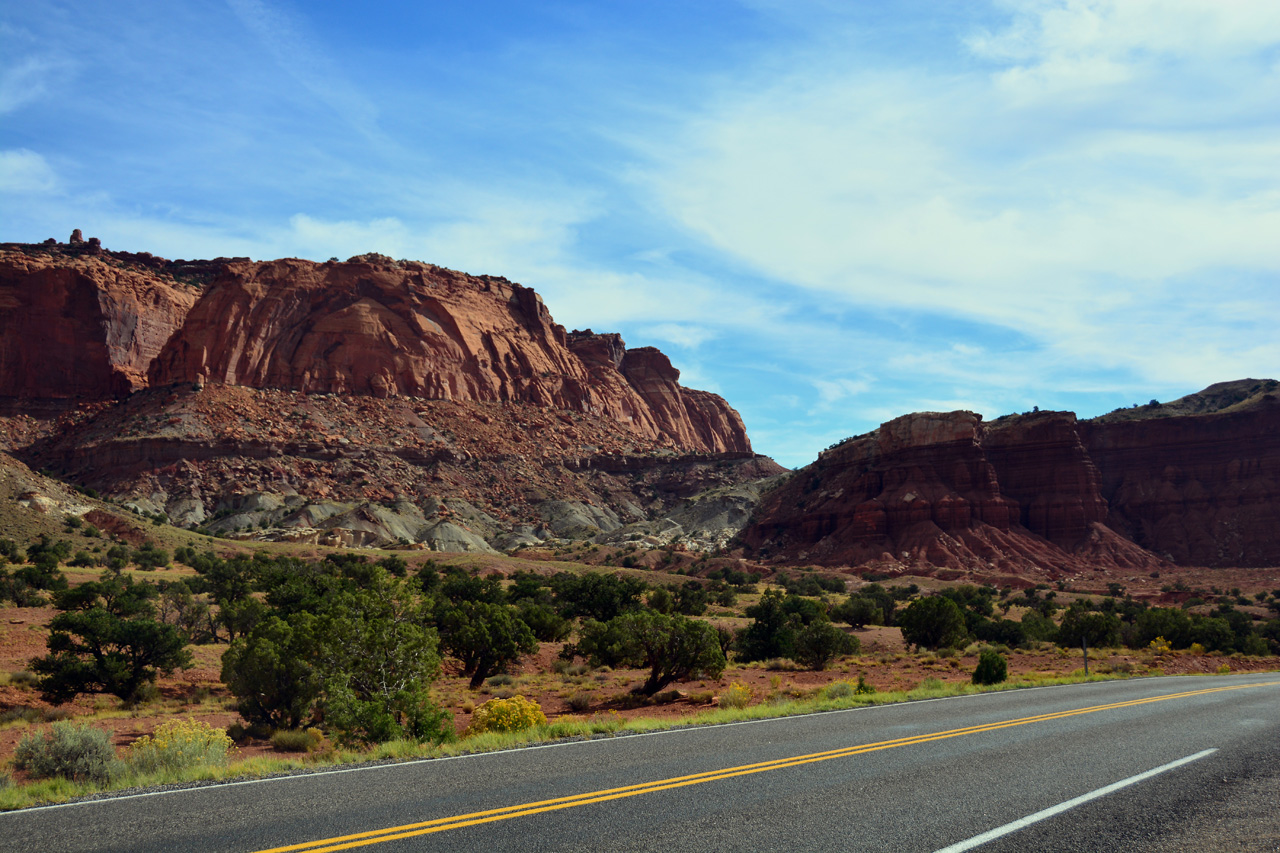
(1194, 482)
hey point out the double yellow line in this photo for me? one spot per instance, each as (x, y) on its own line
(410, 830)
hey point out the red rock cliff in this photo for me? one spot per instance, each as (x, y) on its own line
(82, 326)
(378, 327)
(1128, 490)
(1202, 490)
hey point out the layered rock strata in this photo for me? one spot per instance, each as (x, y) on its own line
(1042, 489)
(112, 322)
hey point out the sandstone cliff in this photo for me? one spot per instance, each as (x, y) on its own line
(111, 322)
(372, 402)
(1198, 490)
(1043, 490)
(82, 325)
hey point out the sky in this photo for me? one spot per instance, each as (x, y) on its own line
(830, 213)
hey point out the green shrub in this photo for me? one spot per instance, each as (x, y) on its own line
(20, 714)
(674, 648)
(179, 744)
(819, 643)
(297, 740)
(78, 752)
(991, 668)
(24, 679)
(506, 715)
(837, 690)
(106, 640)
(863, 689)
(934, 622)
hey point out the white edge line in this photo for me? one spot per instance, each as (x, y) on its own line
(583, 741)
(1022, 823)
(218, 785)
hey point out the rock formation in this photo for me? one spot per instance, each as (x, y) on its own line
(371, 402)
(80, 326)
(1199, 489)
(1043, 489)
(113, 322)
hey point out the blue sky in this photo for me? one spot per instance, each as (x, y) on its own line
(831, 213)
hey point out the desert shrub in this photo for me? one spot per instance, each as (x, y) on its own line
(736, 695)
(177, 745)
(661, 600)
(1171, 623)
(1098, 629)
(858, 611)
(673, 648)
(546, 625)
(1037, 626)
(21, 714)
(377, 661)
(484, 635)
(1255, 646)
(506, 715)
(820, 642)
(181, 609)
(270, 673)
(78, 752)
(1161, 646)
(991, 668)
(1005, 632)
(499, 680)
(691, 599)
(106, 640)
(837, 690)
(579, 702)
(934, 622)
(1214, 633)
(150, 557)
(22, 594)
(24, 679)
(776, 620)
(594, 595)
(297, 740)
(931, 685)
(811, 585)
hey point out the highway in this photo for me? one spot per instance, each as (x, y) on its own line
(1144, 764)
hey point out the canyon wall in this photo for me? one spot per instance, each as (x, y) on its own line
(82, 326)
(947, 489)
(81, 322)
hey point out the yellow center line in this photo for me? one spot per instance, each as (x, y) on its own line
(395, 833)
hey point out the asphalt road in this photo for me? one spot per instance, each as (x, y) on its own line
(922, 776)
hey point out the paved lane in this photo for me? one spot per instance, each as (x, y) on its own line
(914, 777)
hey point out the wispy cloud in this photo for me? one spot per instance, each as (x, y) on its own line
(298, 52)
(23, 171)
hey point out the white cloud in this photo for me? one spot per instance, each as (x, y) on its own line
(833, 390)
(684, 335)
(26, 81)
(24, 171)
(1101, 235)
